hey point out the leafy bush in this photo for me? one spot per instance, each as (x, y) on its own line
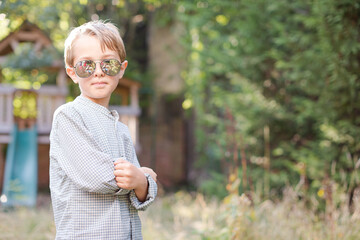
(276, 82)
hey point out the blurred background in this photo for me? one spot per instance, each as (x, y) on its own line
(249, 111)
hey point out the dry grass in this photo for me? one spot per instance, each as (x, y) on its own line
(190, 216)
(34, 224)
(183, 216)
(289, 219)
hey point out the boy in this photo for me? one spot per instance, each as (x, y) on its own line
(96, 183)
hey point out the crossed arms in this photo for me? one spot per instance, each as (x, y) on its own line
(98, 171)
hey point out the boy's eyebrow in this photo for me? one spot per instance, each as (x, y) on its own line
(106, 56)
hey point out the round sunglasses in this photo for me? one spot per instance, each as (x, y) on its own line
(86, 68)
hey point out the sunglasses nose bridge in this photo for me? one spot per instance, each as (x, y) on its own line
(96, 69)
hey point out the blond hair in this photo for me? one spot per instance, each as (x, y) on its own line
(107, 34)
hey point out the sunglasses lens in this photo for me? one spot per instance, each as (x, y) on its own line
(85, 68)
(110, 67)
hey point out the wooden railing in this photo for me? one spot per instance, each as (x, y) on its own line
(49, 98)
(6, 116)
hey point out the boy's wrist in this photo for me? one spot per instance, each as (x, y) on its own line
(144, 182)
(142, 190)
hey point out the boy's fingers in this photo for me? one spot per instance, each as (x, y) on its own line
(121, 164)
(123, 184)
(145, 169)
(120, 160)
(118, 173)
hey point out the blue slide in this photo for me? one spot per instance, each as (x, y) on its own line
(20, 178)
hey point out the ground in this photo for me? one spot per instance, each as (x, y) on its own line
(192, 216)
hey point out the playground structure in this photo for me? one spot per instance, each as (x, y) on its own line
(27, 149)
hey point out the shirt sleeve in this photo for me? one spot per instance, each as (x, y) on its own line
(152, 191)
(81, 157)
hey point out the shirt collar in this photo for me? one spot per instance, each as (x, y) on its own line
(99, 108)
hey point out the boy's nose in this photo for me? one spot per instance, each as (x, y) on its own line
(98, 71)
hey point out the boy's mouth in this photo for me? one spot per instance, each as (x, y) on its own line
(99, 83)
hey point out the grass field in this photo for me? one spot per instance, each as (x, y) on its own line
(190, 216)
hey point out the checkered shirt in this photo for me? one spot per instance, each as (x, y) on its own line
(85, 141)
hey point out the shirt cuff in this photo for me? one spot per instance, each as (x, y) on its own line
(152, 192)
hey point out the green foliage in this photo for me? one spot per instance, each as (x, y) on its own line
(290, 65)
(215, 186)
(24, 105)
(27, 68)
(25, 57)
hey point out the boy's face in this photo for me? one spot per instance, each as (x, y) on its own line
(99, 86)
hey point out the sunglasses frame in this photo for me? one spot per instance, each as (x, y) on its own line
(96, 66)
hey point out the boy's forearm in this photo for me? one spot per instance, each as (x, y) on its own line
(142, 191)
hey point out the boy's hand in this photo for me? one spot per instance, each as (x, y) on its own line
(150, 172)
(128, 176)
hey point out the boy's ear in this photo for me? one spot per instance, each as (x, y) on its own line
(124, 65)
(71, 73)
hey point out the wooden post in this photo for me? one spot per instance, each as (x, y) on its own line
(134, 97)
(2, 167)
